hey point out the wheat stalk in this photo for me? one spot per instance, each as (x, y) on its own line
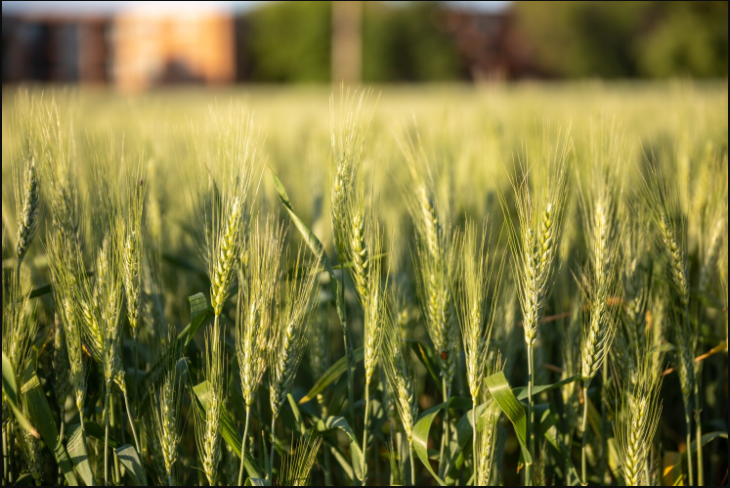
(398, 368)
(637, 281)
(712, 251)
(476, 300)
(167, 411)
(375, 306)
(638, 418)
(534, 244)
(346, 134)
(289, 339)
(207, 428)
(434, 261)
(672, 238)
(255, 311)
(19, 331)
(64, 261)
(600, 326)
(130, 237)
(230, 161)
(485, 430)
(486, 445)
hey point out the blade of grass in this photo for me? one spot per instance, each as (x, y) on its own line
(42, 416)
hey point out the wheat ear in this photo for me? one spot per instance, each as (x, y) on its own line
(398, 368)
(289, 339)
(167, 402)
(255, 315)
(28, 217)
(534, 244)
(207, 427)
(638, 418)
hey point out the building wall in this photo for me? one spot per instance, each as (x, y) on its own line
(155, 49)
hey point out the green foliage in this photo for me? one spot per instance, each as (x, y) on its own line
(403, 43)
(627, 39)
(302, 55)
(291, 42)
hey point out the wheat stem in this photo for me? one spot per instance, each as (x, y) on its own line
(243, 447)
(327, 468)
(61, 434)
(444, 464)
(107, 396)
(6, 467)
(604, 424)
(131, 423)
(530, 413)
(136, 384)
(270, 474)
(698, 428)
(474, 434)
(365, 434)
(413, 465)
(690, 468)
(584, 459)
(349, 353)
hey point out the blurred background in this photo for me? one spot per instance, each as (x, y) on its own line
(139, 45)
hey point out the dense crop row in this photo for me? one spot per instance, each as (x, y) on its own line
(443, 286)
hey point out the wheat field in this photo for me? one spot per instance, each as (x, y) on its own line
(444, 285)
